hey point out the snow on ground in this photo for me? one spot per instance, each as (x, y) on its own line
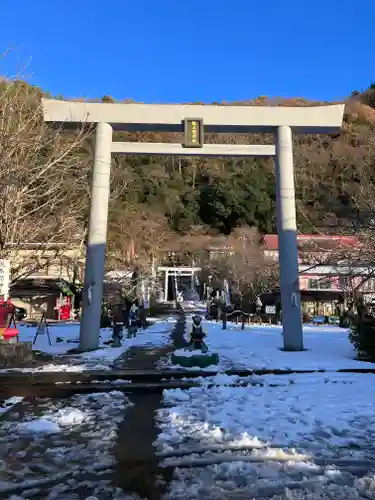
(63, 447)
(157, 334)
(194, 305)
(188, 353)
(289, 425)
(8, 404)
(67, 332)
(259, 347)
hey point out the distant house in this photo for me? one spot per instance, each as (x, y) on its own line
(330, 266)
(37, 271)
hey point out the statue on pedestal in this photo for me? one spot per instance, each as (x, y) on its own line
(197, 335)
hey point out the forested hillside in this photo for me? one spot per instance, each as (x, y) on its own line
(157, 200)
(334, 180)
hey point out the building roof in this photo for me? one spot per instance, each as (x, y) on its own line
(314, 243)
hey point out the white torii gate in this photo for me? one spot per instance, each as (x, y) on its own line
(175, 272)
(281, 121)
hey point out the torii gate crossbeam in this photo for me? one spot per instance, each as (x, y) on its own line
(281, 121)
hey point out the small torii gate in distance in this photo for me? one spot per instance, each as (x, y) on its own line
(194, 120)
(175, 272)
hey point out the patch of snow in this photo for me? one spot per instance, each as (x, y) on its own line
(9, 403)
(40, 425)
(157, 334)
(281, 409)
(259, 347)
(188, 305)
(113, 382)
(68, 332)
(187, 353)
(55, 445)
(55, 422)
(120, 381)
(327, 418)
(70, 417)
(221, 379)
(69, 335)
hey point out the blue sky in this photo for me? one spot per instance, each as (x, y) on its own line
(179, 51)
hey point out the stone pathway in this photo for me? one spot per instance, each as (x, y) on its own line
(145, 358)
(137, 469)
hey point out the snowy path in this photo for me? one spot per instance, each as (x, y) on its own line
(300, 427)
(66, 441)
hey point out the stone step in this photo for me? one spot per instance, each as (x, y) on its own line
(12, 378)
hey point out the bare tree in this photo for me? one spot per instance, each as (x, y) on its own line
(138, 238)
(344, 166)
(137, 234)
(192, 247)
(240, 259)
(44, 179)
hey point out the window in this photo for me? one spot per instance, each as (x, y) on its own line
(345, 282)
(369, 285)
(313, 284)
(320, 284)
(325, 284)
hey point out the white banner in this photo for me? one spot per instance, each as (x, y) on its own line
(145, 293)
(270, 309)
(227, 293)
(4, 277)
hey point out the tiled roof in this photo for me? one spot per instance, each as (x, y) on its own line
(314, 243)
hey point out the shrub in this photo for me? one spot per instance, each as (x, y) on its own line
(306, 318)
(362, 336)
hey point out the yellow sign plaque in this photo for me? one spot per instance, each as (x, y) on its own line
(194, 134)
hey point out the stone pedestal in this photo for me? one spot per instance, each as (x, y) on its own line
(15, 354)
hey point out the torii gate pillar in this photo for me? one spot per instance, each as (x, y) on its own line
(97, 239)
(287, 240)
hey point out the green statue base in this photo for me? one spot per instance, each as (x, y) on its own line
(196, 353)
(201, 360)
